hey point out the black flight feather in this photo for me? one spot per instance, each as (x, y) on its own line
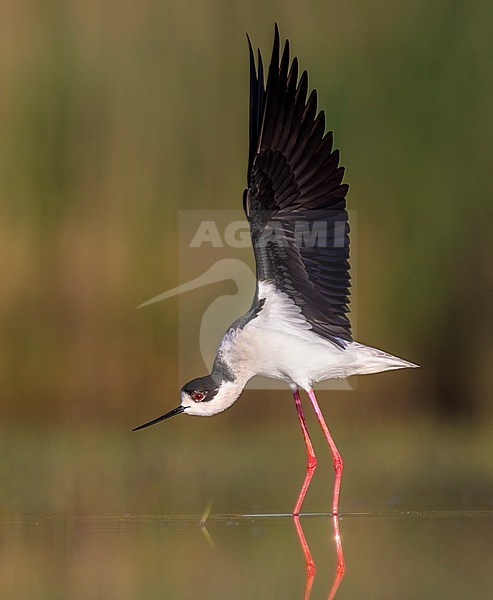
(294, 190)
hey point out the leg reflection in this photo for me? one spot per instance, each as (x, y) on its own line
(341, 565)
(310, 565)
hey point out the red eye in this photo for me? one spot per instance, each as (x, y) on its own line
(198, 396)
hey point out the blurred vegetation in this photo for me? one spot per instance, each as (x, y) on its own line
(116, 115)
(389, 466)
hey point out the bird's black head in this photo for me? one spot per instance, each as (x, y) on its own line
(202, 389)
(204, 396)
(209, 395)
(199, 390)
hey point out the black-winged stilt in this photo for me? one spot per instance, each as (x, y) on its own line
(297, 328)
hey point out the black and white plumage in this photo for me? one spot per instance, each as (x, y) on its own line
(297, 328)
(294, 185)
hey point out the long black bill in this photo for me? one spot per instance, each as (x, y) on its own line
(171, 413)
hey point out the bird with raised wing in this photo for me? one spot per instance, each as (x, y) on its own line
(297, 328)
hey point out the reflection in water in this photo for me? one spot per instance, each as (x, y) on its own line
(253, 557)
(203, 524)
(310, 564)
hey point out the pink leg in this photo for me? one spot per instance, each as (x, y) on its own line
(312, 460)
(338, 465)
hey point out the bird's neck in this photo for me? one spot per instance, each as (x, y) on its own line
(234, 373)
(227, 394)
(232, 382)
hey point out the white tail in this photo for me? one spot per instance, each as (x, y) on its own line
(372, 360)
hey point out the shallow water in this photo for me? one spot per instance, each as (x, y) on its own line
(395, 555)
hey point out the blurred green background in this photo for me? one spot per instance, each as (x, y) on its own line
(116, 115)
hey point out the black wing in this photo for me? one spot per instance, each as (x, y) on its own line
(295, 201)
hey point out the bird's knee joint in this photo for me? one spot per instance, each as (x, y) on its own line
(312, 463)
(338, 466)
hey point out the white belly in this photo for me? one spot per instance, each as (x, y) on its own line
(304, 362)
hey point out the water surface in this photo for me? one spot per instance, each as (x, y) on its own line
(394, 555)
